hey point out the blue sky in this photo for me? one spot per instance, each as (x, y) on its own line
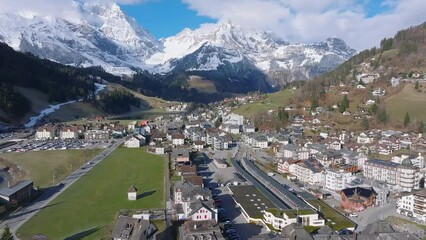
(164, 18)
(361, 23)
(374, 7)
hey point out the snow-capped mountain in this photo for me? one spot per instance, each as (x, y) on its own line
(99, 33)
(228, 43)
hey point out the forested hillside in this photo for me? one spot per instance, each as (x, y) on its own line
(397, 56)
(59, 82)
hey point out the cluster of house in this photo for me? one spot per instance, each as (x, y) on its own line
(193, 135)
(194, 204)
(336, 169)
(180, 107)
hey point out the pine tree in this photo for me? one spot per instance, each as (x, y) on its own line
(218, 122)
(7, 235)
(365, 125)
(345, 102)
(314, 104)
(406, 119)
(382, 116)
(374, 108)
(422, 127)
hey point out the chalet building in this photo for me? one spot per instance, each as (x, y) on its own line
(178, 139)
(357, 199)
(284, 165)
(187, 170)
(193, 179)
(199, 145)
(193, 202)
(180, 156)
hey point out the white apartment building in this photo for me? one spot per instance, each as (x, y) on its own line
(402, 177)
(309, 171)
(178, 139)
(132, 143)
(45, 132)
(279, 219)
(294, 151)
(413, 205)
(68, 133)
(418, 161)
(233, 119)
(336, 180)
(364, 139)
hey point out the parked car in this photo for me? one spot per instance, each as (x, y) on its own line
(353, 215)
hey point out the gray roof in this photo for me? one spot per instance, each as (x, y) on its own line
(382, 162)
(198, 204)
(133, 229)
(378, 227)
(180, 152)
(7, 192)
(314, 165)
(295, 231)
(189, 190)
(200, 230)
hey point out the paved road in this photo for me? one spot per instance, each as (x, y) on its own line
(19, 217)
(244, 229)
(242, 226)
(373, 214)
(169, 205)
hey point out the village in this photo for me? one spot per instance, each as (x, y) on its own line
(230, 177)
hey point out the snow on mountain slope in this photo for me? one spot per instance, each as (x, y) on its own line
(266, 52)
(100, 35)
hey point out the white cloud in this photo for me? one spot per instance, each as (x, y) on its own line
(57, 8)
(308, 20)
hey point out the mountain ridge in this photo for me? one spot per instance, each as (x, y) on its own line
(101, 34)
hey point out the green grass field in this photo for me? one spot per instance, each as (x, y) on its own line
(76, 110)
(339, 221)
(408, 100)
(273, 101)
(202, 85)
(40, 166)
(90, 206)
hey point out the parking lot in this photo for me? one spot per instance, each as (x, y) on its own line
(244, 229)
(56, 144)
(229, 209)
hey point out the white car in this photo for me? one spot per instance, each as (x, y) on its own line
(353, 215)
